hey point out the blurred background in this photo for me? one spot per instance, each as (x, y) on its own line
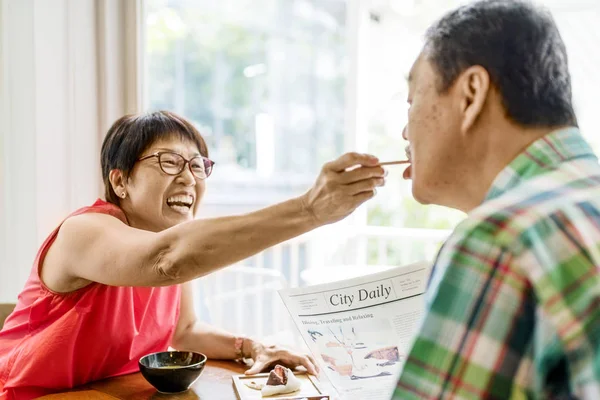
(277, 87)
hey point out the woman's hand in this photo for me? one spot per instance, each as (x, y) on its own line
(342, 186)
(265, 356)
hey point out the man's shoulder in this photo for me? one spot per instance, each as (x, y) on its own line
(533, 204)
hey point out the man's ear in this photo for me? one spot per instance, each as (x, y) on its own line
(117, 180)
(473, 86)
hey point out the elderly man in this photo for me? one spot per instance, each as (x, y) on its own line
(513, 305)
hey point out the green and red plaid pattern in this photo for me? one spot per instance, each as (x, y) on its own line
(513, 305)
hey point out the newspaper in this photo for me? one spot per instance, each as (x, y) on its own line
(360, 330)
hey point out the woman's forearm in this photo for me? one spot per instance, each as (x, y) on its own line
(120, 255)
(218, 344)
(198, 247)
(211, 341)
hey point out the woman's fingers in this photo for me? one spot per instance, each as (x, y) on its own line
(330, 199)
(257, 367)
(306, 363)
(312, 360)
(359, 174)
(367, 185)
(350, 160)
(289, 359)
(310, 365)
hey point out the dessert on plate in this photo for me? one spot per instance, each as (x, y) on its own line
(281, 380)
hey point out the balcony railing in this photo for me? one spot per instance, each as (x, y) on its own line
(243, 298)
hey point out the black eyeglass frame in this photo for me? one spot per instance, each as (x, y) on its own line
(187, 162)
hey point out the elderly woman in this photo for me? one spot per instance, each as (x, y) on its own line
(112, 282)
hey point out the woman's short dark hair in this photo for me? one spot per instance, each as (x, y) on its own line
(132, 134)
(520, 47)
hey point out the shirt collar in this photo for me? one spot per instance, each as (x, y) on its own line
(543, 155)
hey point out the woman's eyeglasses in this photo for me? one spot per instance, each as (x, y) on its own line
(173, 164)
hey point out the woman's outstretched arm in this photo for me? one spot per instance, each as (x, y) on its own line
(100, 248)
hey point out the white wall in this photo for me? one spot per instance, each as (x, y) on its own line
(3, 119)
(64, 80)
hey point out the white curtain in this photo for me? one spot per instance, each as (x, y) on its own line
(68, 69)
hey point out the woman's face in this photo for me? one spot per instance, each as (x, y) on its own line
(156, 200)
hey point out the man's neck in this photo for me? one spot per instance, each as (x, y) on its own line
(504, 143)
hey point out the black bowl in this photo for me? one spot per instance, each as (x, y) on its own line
(172, 371)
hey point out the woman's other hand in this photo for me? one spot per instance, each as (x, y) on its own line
(342, 186)
(266, 356)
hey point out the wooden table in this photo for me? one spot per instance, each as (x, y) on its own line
(214, 384)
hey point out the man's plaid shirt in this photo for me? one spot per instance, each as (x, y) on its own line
(513, 305)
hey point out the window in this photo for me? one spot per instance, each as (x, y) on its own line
(394, 40)
(262, 79)
(265, 81)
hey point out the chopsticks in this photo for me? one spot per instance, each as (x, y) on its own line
(382, 164)
(394, 162)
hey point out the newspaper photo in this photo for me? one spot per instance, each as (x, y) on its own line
(359, 330)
